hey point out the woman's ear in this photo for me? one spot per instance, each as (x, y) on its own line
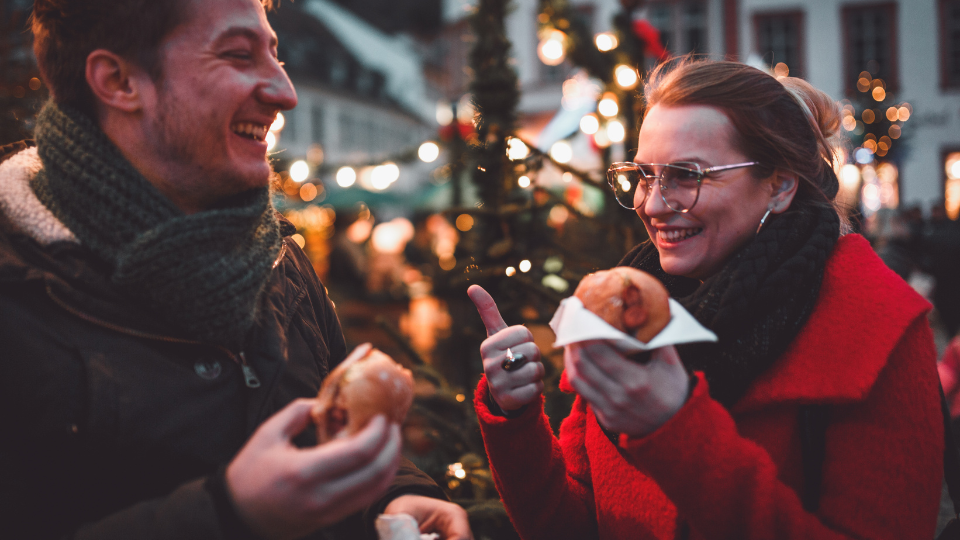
(784, 186)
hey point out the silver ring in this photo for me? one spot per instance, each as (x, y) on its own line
(513, 362)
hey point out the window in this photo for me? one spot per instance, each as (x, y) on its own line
(950, 43)
(870, 39)
(779, 38)
(682, 25)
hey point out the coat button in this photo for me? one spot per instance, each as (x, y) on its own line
(208, 370)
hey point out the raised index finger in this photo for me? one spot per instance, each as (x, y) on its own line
(487, 309)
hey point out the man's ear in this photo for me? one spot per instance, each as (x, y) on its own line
(785, 186)
(115, 81)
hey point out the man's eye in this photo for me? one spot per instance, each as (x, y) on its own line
(239, 55)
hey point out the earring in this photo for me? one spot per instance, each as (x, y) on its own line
(762, 220)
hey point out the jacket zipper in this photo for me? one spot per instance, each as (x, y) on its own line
(249, 375)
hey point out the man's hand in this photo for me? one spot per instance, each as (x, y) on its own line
(510, 389)
(284, 492)
(434, 516)
(627, 397)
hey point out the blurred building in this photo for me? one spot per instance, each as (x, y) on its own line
(362, 96)
(911, 48)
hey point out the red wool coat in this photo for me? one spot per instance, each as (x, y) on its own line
(867, 351)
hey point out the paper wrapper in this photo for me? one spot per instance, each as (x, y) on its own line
(573, 323)
(400, 527)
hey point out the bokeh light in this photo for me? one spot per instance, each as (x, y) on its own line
(589, 124)
(561, 152)
(278, 124)
(428, 152)
(464, 222)
(346, 176)
(606, 41)
(616, 131)
(525, 266)
(626, 76)
(299, 171)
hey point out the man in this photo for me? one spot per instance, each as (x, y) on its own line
(157, 330)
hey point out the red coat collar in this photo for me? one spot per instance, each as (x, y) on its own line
(861, 313)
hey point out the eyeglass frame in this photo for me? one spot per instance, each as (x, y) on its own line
(701, 174)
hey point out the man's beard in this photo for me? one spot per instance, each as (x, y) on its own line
(179, 141)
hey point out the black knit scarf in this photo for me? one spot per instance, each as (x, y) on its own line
(757, 303)
(202, 273)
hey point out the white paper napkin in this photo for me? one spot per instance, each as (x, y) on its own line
(573, 323)
(400, 527)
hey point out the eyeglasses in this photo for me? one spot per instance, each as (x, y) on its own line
(679, 182)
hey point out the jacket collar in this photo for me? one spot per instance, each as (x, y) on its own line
(862, 311)
(22, 207)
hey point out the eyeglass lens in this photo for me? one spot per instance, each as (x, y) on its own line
(679, 184)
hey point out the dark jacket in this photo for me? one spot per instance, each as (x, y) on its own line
(114, 426)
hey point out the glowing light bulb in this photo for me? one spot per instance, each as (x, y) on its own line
(299, 171)
(523, 181)
(444, 114)
(277, 124)
(271, 141)
(516, 150)
(561, 152)
(606, 41)
(346, 177)
(551, 49)
(616, 131)
(589, 124)
(428, 152)
(525, 265)
(608, 106)
(511, 271)
(626, 76)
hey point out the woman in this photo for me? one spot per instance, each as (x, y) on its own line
(704, 441)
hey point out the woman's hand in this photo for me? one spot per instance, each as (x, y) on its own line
(627, 397)
(511, 390)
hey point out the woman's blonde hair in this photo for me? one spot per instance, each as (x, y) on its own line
(784, 123)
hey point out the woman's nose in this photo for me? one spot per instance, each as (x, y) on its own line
(654, 204)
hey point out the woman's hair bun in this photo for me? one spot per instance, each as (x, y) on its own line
(823, 112)
(824, 116)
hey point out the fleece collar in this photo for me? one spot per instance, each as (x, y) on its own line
(22, 207)
(863, 310)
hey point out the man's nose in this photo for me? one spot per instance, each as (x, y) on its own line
(277, 90)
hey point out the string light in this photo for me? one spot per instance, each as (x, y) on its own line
(606, 41)
(626, 76)
(516, 150)
(299, 171)
(511, 271)
(277, 124)
(608, 105)
(271, 140)
(551, 49)
(525, 266)
(589, 124)
(428, 152)
(616, 131)
(523, 181)
(346, 176)
(561, 152)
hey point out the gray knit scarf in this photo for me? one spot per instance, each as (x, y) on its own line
(202, 273)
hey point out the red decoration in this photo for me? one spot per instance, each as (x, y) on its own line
(651, 37)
